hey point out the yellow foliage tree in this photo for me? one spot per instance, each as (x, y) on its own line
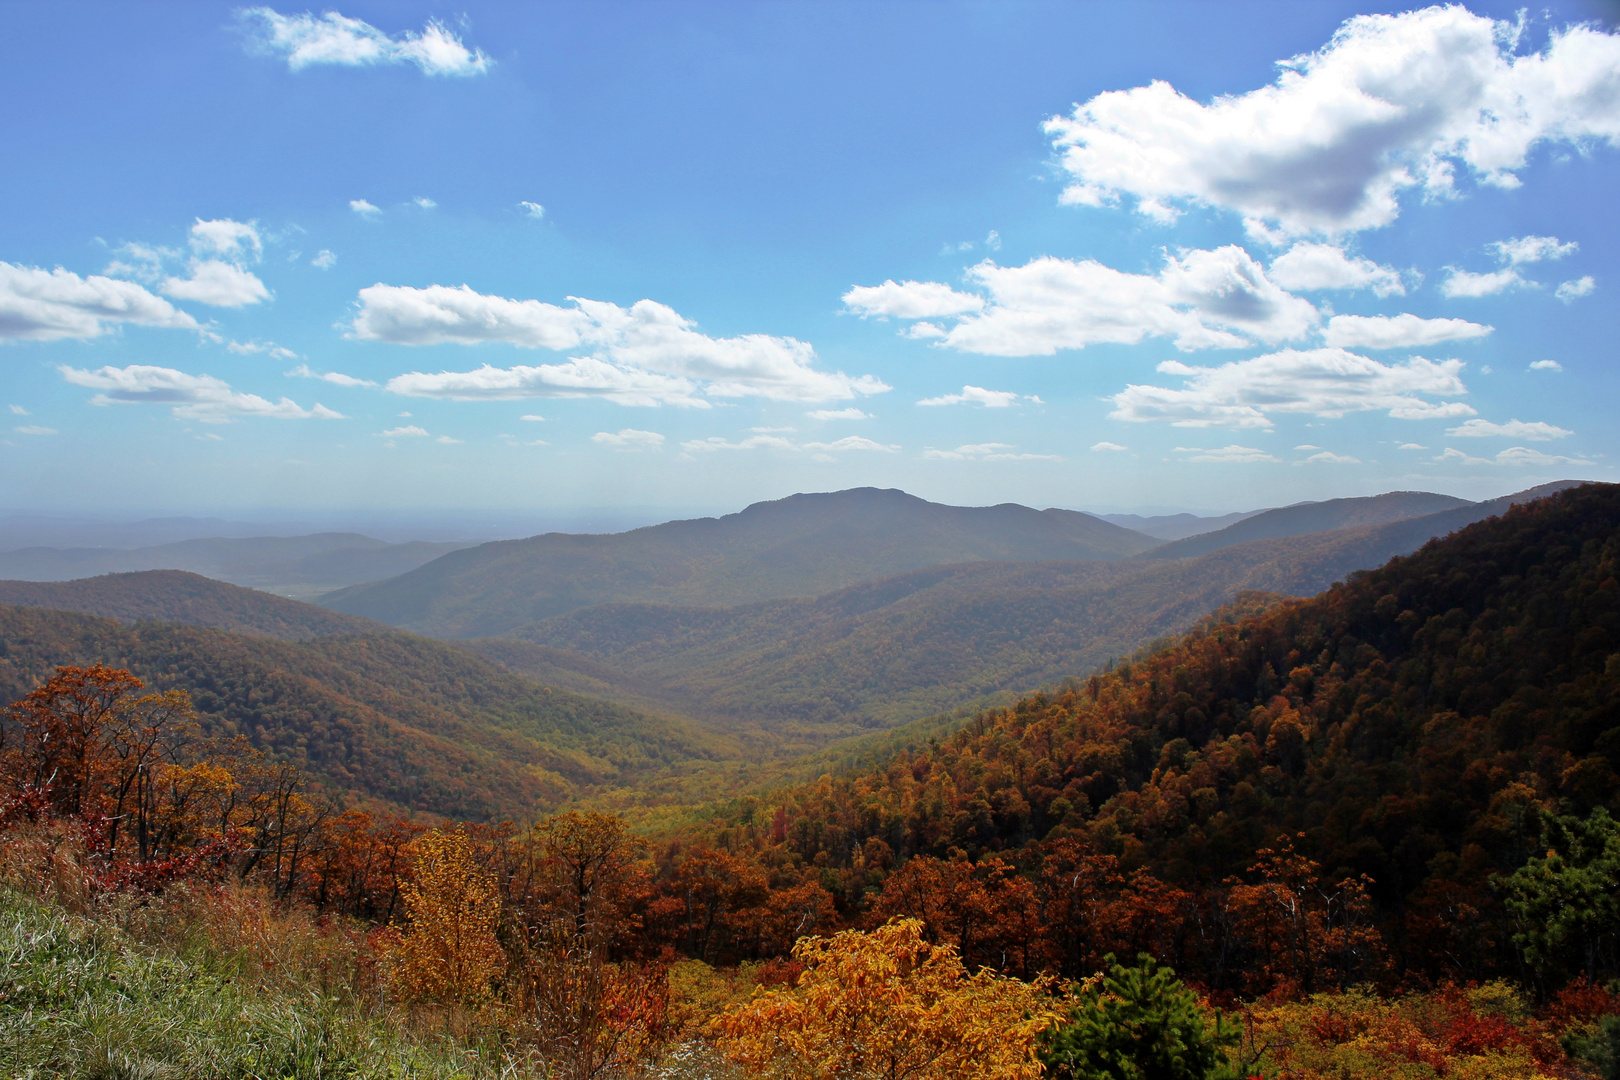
(886, 1005)
(449, 952)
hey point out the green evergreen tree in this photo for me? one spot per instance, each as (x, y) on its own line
(1139, 1023)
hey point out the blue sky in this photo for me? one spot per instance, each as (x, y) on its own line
(554, 257)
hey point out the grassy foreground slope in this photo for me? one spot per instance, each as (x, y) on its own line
(388, 716)
(799, 546)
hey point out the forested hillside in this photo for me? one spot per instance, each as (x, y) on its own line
(1390, 750)
(1312, 518)
(386, 716)
(181, 597)
(799, 546)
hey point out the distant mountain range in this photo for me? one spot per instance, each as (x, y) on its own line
(803, 545)
(303, 566)
(1311, 518)
(1175, 526)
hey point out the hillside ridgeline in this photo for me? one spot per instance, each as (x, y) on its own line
(1312, 517)
(803, 545)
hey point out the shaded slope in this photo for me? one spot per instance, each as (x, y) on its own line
(390, 716)
(886, 652)
(180, 597)
(1311, 518)
(798, 546)
(1177, 526)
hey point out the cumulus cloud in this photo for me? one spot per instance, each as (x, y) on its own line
(1536, 431)
(1574, 290)
(1322, 382)
(839, 414)
(851, 442)
(642, 355)
(336, 378)
(978, 395)
(192, 397)
(1391, 103)
(987, 452)
(324, 260)
(1403, 331)
(331, 38)
(1513, 455)
(1413, 446)
(910, 300)
(1531, 249)
(445, 440)
(364, 208)
(216, 272)
(1546, 365)
(629, 439)
(1465, 284)
(47, 305)
(1200, 299)
(1307, 267)
(1108, 447)
(1231, 453)
(533, 209)
(1328, 457)
(217, 283)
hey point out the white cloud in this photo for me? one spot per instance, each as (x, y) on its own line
(1463, 283)
(364, 208)
(772, 430)
(217, 283)
(753, 442)
(988, 452)
(645, 354)
(34, 429)
(629, 439)
(332, 38)
(18, 410)
(324, 259)
(1573, 290)
(1530, 249)
(1108, 446)
(533, 418)
(1306, 267)
(1413, 446)
(1536, 431)
(910, 300)
(1327, 457)
(978, 395)
(839, 414)
(1546, 365)
(250, 348)
(193, 397)
(993, 241)
(1322, 382)
(1523, 455)
(409, 431)
(336, 378)
(446, 440)
(533, 209)
(47, 305)
(1201, 299)
(850, 442)
(1231, 453)
(1404, 331)
(1392, 102)
(209, 436)
(1307, 446)
(1450, 454)
(424, 202)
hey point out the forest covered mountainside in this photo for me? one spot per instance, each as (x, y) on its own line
(803, 545)
(384, 717)
(294, 565)
(1406, 734)
(886, 652)
(180, 597)
(1312, 517)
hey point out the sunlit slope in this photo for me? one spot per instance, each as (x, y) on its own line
(386, 716)
(799, 546)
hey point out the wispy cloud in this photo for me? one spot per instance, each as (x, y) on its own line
(192, 397)
(307, 40)
(629, 439)
(978, 395)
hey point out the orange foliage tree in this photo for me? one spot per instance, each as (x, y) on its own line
(449, 951)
